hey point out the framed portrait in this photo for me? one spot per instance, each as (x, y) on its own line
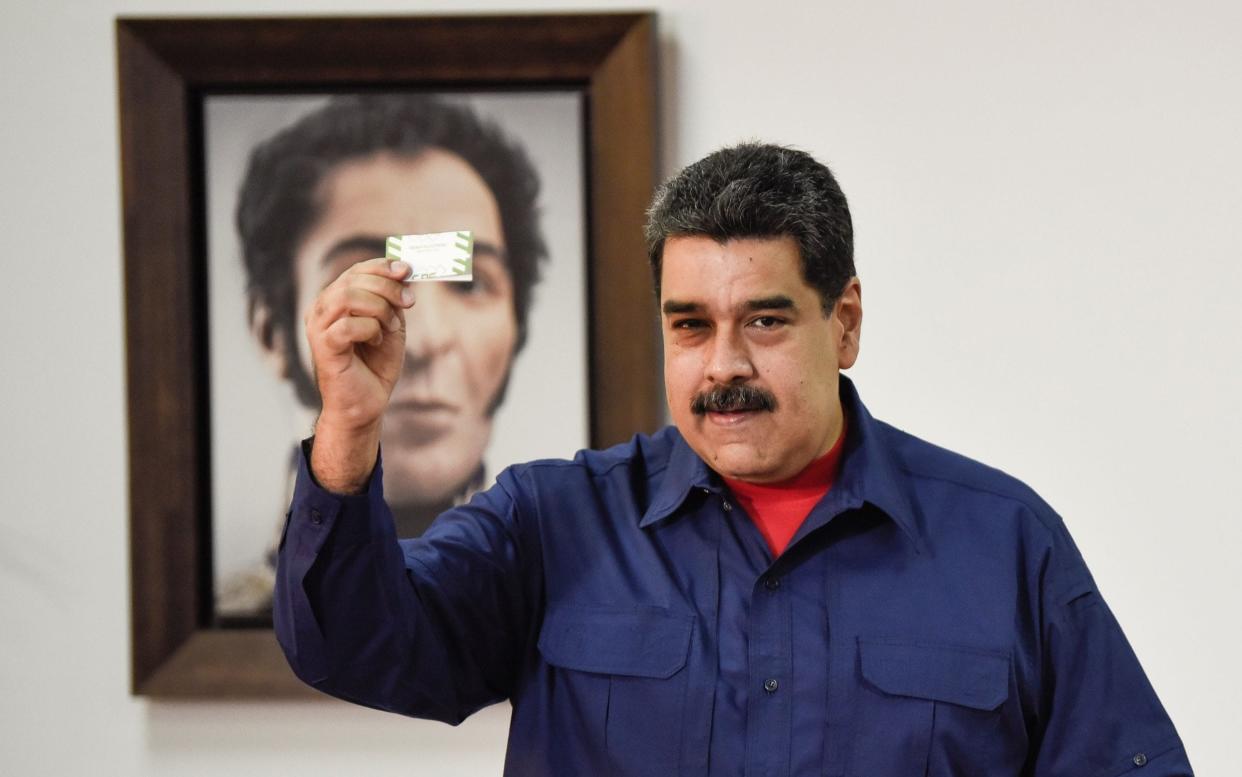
(474, 394)
(262, 157)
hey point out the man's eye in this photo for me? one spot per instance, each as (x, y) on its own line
(688, 323)
(767, 322)
(477, 287)
(490, 281)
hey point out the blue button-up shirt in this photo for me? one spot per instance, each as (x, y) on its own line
(931, 617)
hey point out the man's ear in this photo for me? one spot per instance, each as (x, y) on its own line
(272, 340)
(849, 313)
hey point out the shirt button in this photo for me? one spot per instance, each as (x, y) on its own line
(772, 583)
(728, 507)
(1139, 759)
(316, 517)
(770, 685)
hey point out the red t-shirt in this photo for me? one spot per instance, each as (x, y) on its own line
(778, 509)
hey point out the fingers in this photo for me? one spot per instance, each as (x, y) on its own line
(345, 332)
(383, 277)
(354, 301)
(368, 294)
(391, 275)
(356, 332)
(399, 295)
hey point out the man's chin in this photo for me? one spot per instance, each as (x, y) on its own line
(418, 500)
(747, 472)
(740, 460)
(408, 490)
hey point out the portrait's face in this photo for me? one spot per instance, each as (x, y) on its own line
(741, 314)
(460, 336)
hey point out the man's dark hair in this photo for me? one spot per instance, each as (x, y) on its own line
(756, 190)
(280, 202)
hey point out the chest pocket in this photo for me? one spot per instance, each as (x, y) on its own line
(922, 707)
(625, 669)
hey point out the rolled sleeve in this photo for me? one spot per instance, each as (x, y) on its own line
(1103, 718)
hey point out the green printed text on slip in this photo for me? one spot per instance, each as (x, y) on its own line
(438, 256)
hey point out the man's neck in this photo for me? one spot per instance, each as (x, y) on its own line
(779, 509)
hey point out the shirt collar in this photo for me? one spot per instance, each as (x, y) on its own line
(869, 473)
(684, 473)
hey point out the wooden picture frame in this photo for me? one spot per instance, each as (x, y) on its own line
(165, 67)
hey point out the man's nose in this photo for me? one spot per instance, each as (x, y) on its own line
(428, 325)
(729, 358)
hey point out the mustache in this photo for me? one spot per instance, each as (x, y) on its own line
(732, 398)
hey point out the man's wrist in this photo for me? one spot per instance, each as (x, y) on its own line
(343, 458)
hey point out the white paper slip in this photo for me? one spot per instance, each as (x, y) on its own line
(439, 256)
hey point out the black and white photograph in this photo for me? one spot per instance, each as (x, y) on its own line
(300, 187)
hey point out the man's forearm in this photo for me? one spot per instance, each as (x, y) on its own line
(431, 635)
(342, 459)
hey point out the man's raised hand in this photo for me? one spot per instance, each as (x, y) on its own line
(356, 332)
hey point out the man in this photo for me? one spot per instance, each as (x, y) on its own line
(323, 194)
(779, 584)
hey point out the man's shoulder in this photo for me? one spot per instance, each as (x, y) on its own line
(616, 484)
(646, 452)
(928, 465)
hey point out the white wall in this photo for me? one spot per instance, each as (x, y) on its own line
(1046, 201)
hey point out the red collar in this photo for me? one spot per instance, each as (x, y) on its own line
(778, 509)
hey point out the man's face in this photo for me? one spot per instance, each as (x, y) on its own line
(460, 337)
(746, 335)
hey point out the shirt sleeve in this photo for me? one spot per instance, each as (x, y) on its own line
(1102, 716)
(434, 627)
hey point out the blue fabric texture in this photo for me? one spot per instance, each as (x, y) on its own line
(931, 617)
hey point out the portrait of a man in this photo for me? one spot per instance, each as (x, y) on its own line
(321, 194)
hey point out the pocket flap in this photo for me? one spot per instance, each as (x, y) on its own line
(632, 641)
(971, 677)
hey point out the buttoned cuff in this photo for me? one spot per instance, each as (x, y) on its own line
(315, 513)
